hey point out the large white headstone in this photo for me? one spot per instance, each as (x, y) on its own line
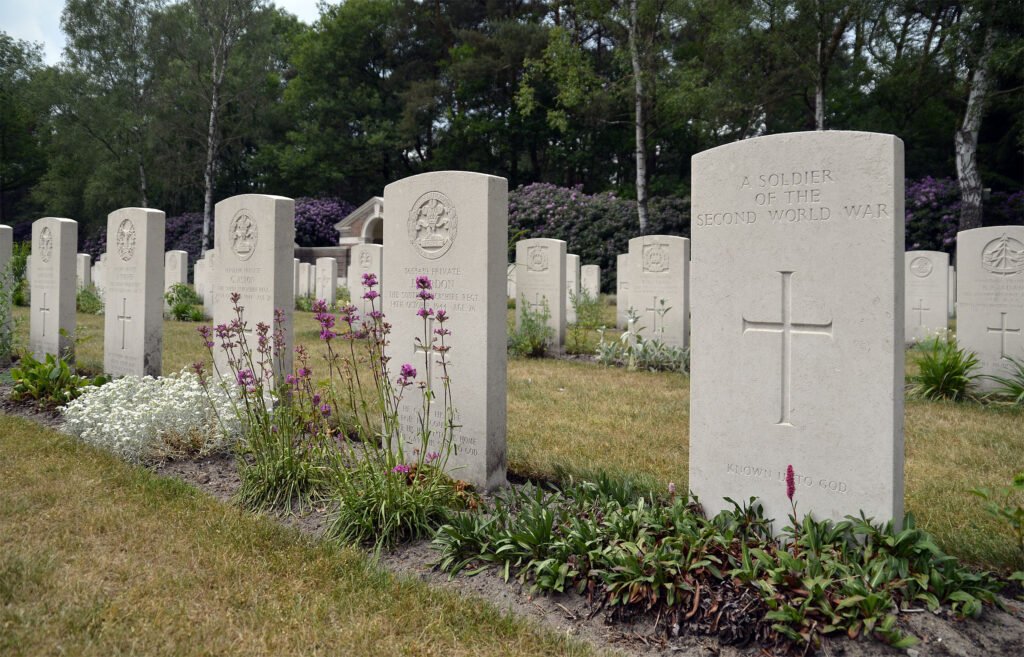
(621, 289)
(540, 282)
(133, 326)
(326, 279)
(510, 281)
(659, 292)
(572, 286)
(52, 323)
(366, 259)
(453, 227)
(990, 298)
(254, 237)
(83, 270)
(175, 269)
(797, 324)
(927, 281)
(590, 280)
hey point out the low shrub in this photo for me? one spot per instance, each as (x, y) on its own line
(7, 287)
(50, 382)
(588, 320)
(945, 371)
(89, 301)
(635, 352)
(184, 304)
(1007, 505)
(532, 337)
(1011, 385)
(142, 419)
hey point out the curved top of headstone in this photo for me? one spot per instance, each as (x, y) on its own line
(531, 240)
(805, 139)
(61, 219)
(442, 177)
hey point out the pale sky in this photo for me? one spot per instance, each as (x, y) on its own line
(39, 20)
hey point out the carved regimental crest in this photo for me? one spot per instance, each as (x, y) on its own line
(45, 244)
(1003, 256)
(921, 267)
(537, 258)
(126, 240)
(432, 225)
(365, 259)
(655, 258)
(243, 235)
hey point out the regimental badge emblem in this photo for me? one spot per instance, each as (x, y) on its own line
(432, 225)
(243, 235)
(655, 258)
(537, 258)
(921, 267)
(1003, 256)
(126, 240)
(365, 260)
(45, 244)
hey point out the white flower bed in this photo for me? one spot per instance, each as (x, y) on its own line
(145, 419)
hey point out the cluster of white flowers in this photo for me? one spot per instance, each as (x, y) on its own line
(143, 419)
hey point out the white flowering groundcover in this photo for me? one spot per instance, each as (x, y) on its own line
(142, 419)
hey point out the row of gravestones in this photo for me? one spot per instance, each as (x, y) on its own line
(576, 280)
(797, 299)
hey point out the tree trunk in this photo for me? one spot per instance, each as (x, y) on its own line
(967, 139)
(641, 139)
(211, 157)
(142, 182)
(819, 82)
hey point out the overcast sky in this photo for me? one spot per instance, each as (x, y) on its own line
(39, 20)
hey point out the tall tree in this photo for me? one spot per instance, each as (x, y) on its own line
(22, 158)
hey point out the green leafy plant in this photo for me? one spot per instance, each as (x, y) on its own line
(51, 382)
(533, 336)
(1007, 504)
(7, 287)
(19, 267)
(184, 304)
(1010, 386)
(945, 370)
(635, 352)
(89, 300)
(588, 320)
(304, 303)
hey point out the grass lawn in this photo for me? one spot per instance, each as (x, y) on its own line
(580, 418)
(100, 558)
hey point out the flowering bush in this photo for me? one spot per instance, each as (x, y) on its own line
(315, 219)
(142, 419)
(933, 212)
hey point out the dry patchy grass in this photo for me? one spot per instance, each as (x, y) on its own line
(98, 558)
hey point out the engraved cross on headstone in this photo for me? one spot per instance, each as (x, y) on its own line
(920, 312)
(427, 351)
(654, 314)
(787, 328)
(1002, 330)
(538, 302)
(124, 317)
(43, 310)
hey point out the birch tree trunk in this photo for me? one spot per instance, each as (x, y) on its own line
(967, 139)
(641, 137)
(209, 170)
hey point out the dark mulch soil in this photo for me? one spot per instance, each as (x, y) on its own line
(995, 633)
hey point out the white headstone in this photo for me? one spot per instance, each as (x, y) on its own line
(621, 289)
(797, 317)
(83, 270)
(927, 281)
(990, 298)
(28, 268)
(572, 286)
(540, 282)
(52, 323)
(200, 276)
(510, 281)
(311, 283)
(295, 276)
(99, 278)
(133, 326)
(254, 236)
(590, 280)
(453, 227)
(366, 259)
(327, 279)
(175, 269)
(952, 291)
(304, 278)
(659, 279)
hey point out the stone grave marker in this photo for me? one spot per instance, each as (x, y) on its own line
(621, 289)
(52, 314)
(927, 294)
(98, 271)
(590, 280)
(366, 259)
(175, 269)
(952, 291)
(990, 298)
(254, 236)
(304, 278)
(83, 270)
(452, 226)
(659, 277)
(28, 268)
(327, 279)
(510, 281)
(798, 333)
(540, 282)
(133, 325)
(295, 277)
(572, 286)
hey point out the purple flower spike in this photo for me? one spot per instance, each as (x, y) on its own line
(423, 283)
